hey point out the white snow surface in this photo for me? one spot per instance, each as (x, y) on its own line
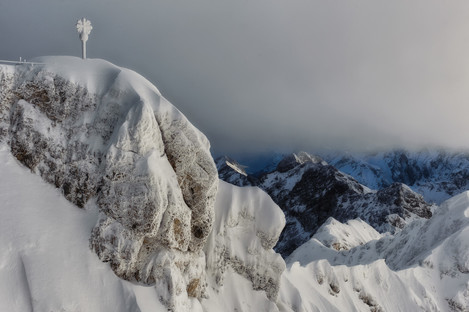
(101, 132)
(344, 236)
(425, 267)
(46, 263)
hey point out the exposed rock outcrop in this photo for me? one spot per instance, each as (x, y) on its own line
(103, 133)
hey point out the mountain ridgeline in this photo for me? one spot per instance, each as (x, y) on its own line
(309, 191)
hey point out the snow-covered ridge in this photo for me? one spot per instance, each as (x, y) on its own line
(231, 171)
(103, 137)
(344, 236)
(422, 268)
(309, 191)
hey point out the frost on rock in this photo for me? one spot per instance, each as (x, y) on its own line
(247, 226)
(97, 131)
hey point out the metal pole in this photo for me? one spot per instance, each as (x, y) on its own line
(83, 44)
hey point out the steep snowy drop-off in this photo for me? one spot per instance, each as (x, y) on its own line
(46, 263)
(247, 227)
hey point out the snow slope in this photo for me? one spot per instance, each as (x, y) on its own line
(425, 267)
(46, 263)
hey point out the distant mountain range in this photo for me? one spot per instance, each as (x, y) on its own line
(435, 174)
(309, 191)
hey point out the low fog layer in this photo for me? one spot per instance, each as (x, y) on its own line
(263, 75)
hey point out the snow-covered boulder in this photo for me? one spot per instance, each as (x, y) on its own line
(103, 133)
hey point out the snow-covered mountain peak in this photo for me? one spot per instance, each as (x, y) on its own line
(111, 143)
(103, 133)
(231, 171)
(96, 75)
(344, 236)
(436, 174)
(292, 160)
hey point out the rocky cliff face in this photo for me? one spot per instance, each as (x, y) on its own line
(104, 134)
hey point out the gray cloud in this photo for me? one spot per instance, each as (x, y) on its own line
(258, 75)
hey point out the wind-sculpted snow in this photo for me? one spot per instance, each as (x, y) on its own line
(344, 236)
(46, 265)
(248, 225)
(424, 267)
(104, 133)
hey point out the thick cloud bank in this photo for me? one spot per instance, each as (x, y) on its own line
(257, 75)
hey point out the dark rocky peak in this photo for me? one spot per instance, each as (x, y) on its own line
(311, 193)
(406, 169)
(401, 195)
(296, 159)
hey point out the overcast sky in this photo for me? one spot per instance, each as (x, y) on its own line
(264, 75)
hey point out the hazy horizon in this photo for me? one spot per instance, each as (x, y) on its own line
(259, 76)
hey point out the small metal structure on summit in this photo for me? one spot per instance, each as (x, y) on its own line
(84, 28)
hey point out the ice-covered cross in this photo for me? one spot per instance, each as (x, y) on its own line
(84, 28)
